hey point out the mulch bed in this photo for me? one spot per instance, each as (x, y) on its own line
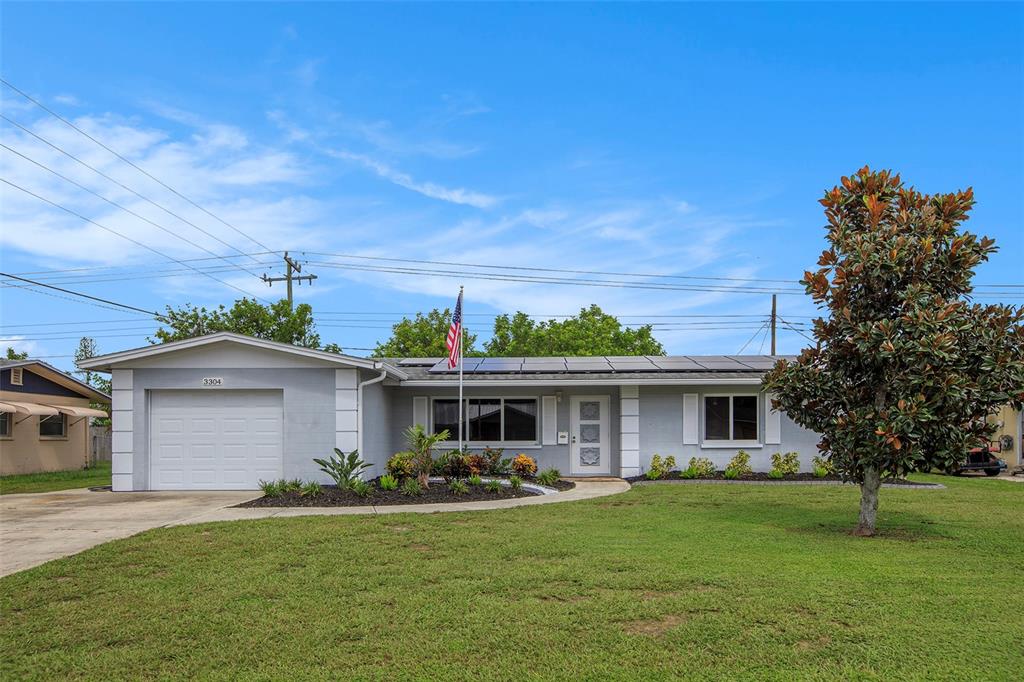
(762, 476)
(437, 493)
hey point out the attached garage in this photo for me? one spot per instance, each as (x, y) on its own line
(215, 439)
(225, 411)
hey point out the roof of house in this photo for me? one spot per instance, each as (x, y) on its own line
(105, 362)
(670, 369)
(48, 371)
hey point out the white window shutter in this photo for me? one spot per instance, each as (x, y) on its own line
(419, 411)
(549, 420)
(772, 423)
(690, 419)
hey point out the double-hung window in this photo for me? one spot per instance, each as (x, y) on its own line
(6, 424)
(730, 418)
(488, 420)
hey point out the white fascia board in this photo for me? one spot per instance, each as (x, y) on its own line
(625, 381)
(105, 362)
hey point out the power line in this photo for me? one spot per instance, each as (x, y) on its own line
(744, 346)
(113, 180)
(90, 268)
(133, 165)
(78, 293)
(540, 269)
(160, 274)
(123, 236)
(129, 211)
(529, 279)
(791, 327)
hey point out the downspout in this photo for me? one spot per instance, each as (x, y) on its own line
(359, 403)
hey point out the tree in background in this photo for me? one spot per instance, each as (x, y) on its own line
(275, 322)
(87, 348)
(905, 369)
(15, 355)
(422, 337)
(592, 332)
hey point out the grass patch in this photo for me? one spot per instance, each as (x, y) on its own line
(56, 480)
(701, 581)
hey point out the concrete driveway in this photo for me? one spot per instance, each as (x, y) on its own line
(35, 528)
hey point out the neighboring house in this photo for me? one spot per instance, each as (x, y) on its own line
(44, 418)
(224, 411)
(1009, 430)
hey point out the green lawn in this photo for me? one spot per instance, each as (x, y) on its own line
(56, 480)
(698, 581)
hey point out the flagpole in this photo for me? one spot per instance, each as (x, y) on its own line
(462, 337)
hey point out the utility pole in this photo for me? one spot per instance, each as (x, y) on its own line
(291, 267)
(774, 318)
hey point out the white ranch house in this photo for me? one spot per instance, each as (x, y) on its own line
(225, 411)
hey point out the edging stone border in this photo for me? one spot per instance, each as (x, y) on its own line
(715, 481)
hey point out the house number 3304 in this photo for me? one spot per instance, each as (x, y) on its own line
(213, 381)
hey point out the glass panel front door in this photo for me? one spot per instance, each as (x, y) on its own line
(589, 447)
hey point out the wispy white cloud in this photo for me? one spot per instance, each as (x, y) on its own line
(67, 100)
(456, 195)
(308, 72)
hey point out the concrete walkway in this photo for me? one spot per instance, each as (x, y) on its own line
(585, 489)
(36, 528)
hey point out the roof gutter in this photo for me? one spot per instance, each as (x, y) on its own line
(359, 400)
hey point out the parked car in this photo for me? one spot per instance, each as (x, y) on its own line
(983, 458)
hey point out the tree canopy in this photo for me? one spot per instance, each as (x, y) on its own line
(275, 322)
(592, 332)
(15, 355)
(423, 337)
(905, 368)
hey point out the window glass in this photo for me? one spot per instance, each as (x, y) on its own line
(744, 417)
(716, 418)
(6, 422)
(484, 418)
(52, 425)
(520, 419)
(446, 416)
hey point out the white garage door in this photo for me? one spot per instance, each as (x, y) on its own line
(214, 439)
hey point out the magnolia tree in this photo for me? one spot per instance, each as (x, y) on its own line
(905, 368)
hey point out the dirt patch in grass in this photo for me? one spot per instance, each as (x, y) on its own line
(653, 628)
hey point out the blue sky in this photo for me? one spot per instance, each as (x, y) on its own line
(685, 140)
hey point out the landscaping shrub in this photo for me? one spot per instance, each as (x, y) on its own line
(501, 468)
(344, 469)
(360, 487)
(823, 463)
(702, 466)
(786, 464)
(731, 474)
(311, 489)
(495, 465)
(740, 464)
(493, 486)
(660, 468)
(293, 486)
(515, 483)
(775, 473)
(549, 477)
(411, 487)
(820, 472)
(524, 465)
(401, 465)
(421, 445)
(688, 472)
(458, 487)
(272, 488)
(475, 480)
(452, 465)
(388, 482)
(478, 464)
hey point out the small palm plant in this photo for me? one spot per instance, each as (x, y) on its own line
(344, 469)
(421, 445)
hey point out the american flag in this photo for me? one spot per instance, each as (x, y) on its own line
(454, 340)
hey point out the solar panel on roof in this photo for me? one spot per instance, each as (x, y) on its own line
(676, 364)
(417, 362)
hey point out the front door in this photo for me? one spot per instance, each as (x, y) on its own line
(590, 446)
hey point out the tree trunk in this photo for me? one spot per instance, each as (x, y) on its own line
(424, 480)
(868, 502)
